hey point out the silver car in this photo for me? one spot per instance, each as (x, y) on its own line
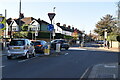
(20, 47)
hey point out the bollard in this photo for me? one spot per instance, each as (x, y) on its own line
(82, 44)
(47, 50)
(58, 47)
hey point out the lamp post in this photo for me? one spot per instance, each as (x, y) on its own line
(83, 40)
(53, 23)
(19, 17)
(105, 34)
(118, 14)
(5, 26)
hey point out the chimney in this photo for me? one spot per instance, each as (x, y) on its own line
(58, 24)
(69, 27)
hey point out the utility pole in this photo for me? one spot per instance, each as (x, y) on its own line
(5, 26)
(53, 23)
(118, 24)
(19, 17)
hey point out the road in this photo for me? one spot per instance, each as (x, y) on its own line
(71, 63)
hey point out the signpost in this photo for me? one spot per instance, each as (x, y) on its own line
(50, 26)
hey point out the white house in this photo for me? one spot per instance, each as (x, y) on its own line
(15, 26)
(57, 29)
(34, 25)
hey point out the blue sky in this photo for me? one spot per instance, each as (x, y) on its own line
(79, 14)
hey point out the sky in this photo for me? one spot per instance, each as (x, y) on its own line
(81, 14)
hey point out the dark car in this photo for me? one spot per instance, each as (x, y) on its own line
(63, 44)
(39, 46)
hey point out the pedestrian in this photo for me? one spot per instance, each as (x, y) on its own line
(108, 44)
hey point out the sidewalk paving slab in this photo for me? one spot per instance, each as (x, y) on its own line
(104, 71)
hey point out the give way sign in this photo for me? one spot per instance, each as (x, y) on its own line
(51, 15)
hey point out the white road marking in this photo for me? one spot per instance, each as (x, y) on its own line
(23, 60)
(110, 66)
(84, 74)
(114, 76)
(77, 49)
(66, 53)
(26, 59)
(92, 50)
(2, 66)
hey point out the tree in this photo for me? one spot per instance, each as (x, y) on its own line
(24, 27)
(108, 23)
(22, 34)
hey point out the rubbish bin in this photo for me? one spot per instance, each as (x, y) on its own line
(47, 50)
(57, 47)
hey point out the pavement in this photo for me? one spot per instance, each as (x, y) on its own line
(103, 49)
(104, 71)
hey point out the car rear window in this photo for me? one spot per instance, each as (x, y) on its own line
(37, 43)
(17, 43)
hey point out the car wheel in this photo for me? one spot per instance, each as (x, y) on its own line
(66, 48)
(9, 57)
(27, 55)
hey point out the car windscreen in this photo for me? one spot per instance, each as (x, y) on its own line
(17, 43)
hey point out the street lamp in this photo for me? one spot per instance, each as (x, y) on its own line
(105, 33)
(54, 23)
(83, 35)
(118, 14)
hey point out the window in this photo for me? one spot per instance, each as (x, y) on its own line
(37, 43)
(17, 43)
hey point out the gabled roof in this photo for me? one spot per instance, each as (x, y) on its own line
(39, 21)
(9, 21)
(27, 20)
(17, 21)
(65, 28)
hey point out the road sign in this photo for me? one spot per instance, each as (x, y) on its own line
(51, 15)
(2, 22)
(50, 27)
(36, 33)
(1, 26)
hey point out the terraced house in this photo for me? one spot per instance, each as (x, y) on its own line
(32, 28)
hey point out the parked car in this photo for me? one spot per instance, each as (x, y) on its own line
(100, 41)
(63, 44)
(39, 46)
(20, 47)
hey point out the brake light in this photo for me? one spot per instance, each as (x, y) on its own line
(39, 45)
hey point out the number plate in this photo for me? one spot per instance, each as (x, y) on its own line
(16, 47)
